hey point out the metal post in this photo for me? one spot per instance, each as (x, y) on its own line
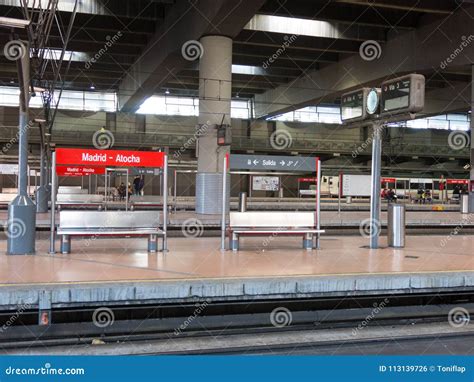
(318, 202)
(165, 203)
(54, 186)
(21, 223)
(175, 195)
(126, 191)
(224, 204)
(339, 192)
(375, 224)
(42, 191)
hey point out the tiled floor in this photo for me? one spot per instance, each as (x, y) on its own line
(105, 260)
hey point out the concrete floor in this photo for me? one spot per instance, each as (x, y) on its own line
(108, 260)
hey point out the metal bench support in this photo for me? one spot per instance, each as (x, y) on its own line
(308, 241)
(65, 244)
(152, 243)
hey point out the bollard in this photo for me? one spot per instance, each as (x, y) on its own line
(242, 202)
(464, 203)
(396, 225)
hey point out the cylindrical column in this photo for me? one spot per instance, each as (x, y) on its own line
(471, 177)
(21, 223)
(375, 223)
(42, 191)
(224, 203)
(215, 92)
(54, 189)
(165, 203)
(242, 202)
(318, 203)
(396, 225)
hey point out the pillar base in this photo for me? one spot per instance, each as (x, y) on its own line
(42, 199)
(21, 226)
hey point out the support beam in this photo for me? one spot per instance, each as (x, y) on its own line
(425, 49)
(162, 58)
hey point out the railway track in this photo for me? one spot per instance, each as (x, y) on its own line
(303, 326)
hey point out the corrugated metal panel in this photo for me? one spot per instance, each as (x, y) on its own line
(209, 193)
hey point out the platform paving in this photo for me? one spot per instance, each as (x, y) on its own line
(113, 271)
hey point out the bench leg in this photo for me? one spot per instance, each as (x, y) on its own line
(152, 243)
(234, 242)
(164, 247)
(318, 244)
(308, 241)
(65, 244)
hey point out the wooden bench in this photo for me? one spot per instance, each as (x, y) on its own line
(110, 223)
(272, 223)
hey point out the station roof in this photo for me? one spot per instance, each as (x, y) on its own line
(317, 44)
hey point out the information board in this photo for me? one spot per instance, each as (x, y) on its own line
(353, 105)
(118, 158)
(356, 185)
(266, 183)
(272, 162)
(79, 170)
(403, 95)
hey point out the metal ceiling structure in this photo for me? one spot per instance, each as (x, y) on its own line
(145, 56)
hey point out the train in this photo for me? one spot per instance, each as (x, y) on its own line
(405, 188)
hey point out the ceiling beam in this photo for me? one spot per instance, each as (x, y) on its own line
(162, 58)
(424, 49)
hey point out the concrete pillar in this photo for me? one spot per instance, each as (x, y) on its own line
(215, 92)
(471, 177)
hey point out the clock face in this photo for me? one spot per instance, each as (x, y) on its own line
(372, 101)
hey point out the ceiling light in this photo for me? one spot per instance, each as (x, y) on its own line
(92, 87)
(167, 91)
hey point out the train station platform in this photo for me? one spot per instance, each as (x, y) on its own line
(329, 219)
(102, 272)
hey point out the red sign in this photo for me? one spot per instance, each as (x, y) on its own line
(78, 170)
(457, 181)
(117, 158)
(389, 180)
(314, 180)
